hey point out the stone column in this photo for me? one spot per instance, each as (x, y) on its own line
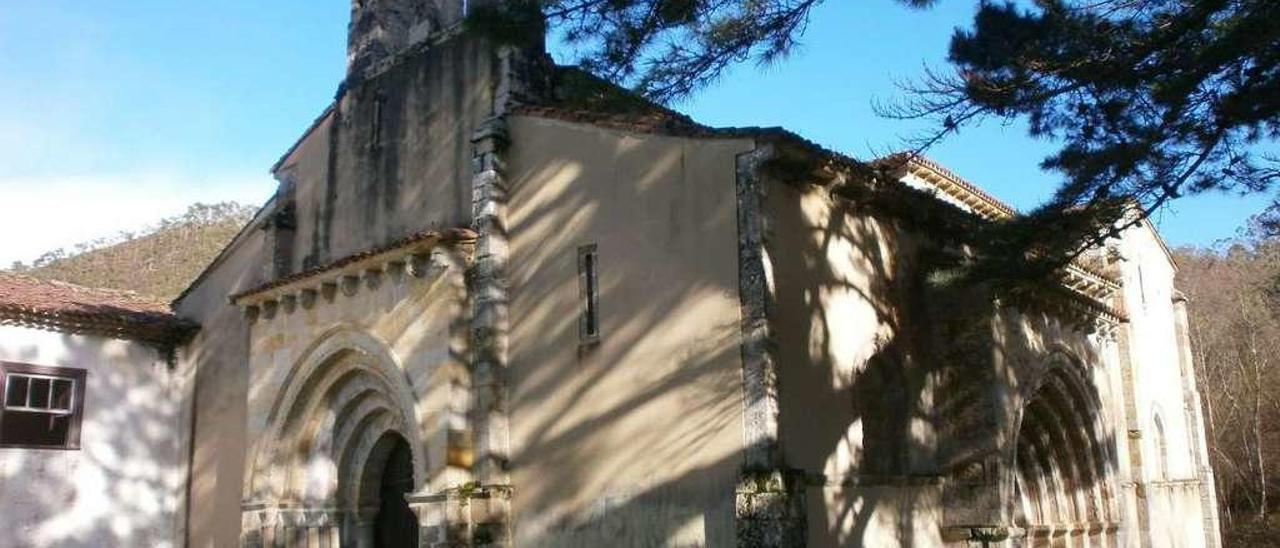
(489, 304)
(358, 527)
(253, 524)
(489, 376)
(1195, 423)
(1138, 528)
(770, 498)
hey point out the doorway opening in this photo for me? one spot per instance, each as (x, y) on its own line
(396, 526)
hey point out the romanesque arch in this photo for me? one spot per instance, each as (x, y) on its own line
(1064, 468)
(344, 411)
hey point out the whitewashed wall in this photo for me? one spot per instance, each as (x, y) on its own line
(1160, 389)
(123, 487)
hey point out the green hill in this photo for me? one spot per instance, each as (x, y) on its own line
(159, 261)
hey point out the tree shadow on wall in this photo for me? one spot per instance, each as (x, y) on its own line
(123, 486)
(683, 474)
(878, 367)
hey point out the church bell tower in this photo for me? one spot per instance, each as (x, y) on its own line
(381, 28)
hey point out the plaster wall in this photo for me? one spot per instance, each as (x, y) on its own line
(1148, 275)
(637, 439)
(855, 391)
(124, 486)
(216, 365)
(1166, 416)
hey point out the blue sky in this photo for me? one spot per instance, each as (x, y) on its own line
(114, 113)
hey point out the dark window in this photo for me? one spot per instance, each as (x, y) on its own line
(1142, 287)
(379, 103)
(589, 293)
(42, 406)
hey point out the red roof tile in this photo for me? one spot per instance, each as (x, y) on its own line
(26, 300)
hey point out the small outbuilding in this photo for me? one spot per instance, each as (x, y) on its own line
(91, 414)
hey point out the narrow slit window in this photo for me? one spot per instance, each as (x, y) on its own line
(589, 293)
(376, 135)
(1142, 287)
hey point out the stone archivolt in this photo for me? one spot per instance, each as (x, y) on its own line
(342, 409)
(418, 255)
(343, 406)
(1064, 476)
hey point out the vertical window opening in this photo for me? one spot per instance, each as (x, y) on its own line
(1142, 287)
(376, 135)
(589, 293)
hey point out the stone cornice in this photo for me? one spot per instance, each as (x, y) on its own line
(411, 255)
(957, 188)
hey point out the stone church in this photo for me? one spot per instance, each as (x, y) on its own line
(496, 302)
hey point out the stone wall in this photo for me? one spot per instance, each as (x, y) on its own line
(392, 156)
(341, 364)
(902, 395)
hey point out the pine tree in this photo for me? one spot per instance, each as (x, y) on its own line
(1150, 100)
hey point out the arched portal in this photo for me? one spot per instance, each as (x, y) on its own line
(342, 435)
(1063, 469)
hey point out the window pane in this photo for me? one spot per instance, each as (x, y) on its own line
(34, 429)
(62, 389)
(15, 391)
(39, 395)
(592, 321)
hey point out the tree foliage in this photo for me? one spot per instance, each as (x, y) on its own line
(160, 260)
(664, 49)
(1234, 293)
(1150, 100)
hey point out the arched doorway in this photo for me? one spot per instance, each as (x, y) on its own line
(1062, 468)
(395, 526)
(344, 423)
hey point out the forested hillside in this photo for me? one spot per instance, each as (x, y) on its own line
(1234, 294)
(159, 261)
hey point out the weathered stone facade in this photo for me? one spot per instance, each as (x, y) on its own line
(746, 359)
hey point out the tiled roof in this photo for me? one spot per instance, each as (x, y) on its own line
(953, 185)
(661, 121)
(25, 300)
(654, 120)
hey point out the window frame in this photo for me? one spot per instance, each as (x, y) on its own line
(76, 414)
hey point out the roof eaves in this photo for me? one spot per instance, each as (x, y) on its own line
(954, 185)
(430, 238)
